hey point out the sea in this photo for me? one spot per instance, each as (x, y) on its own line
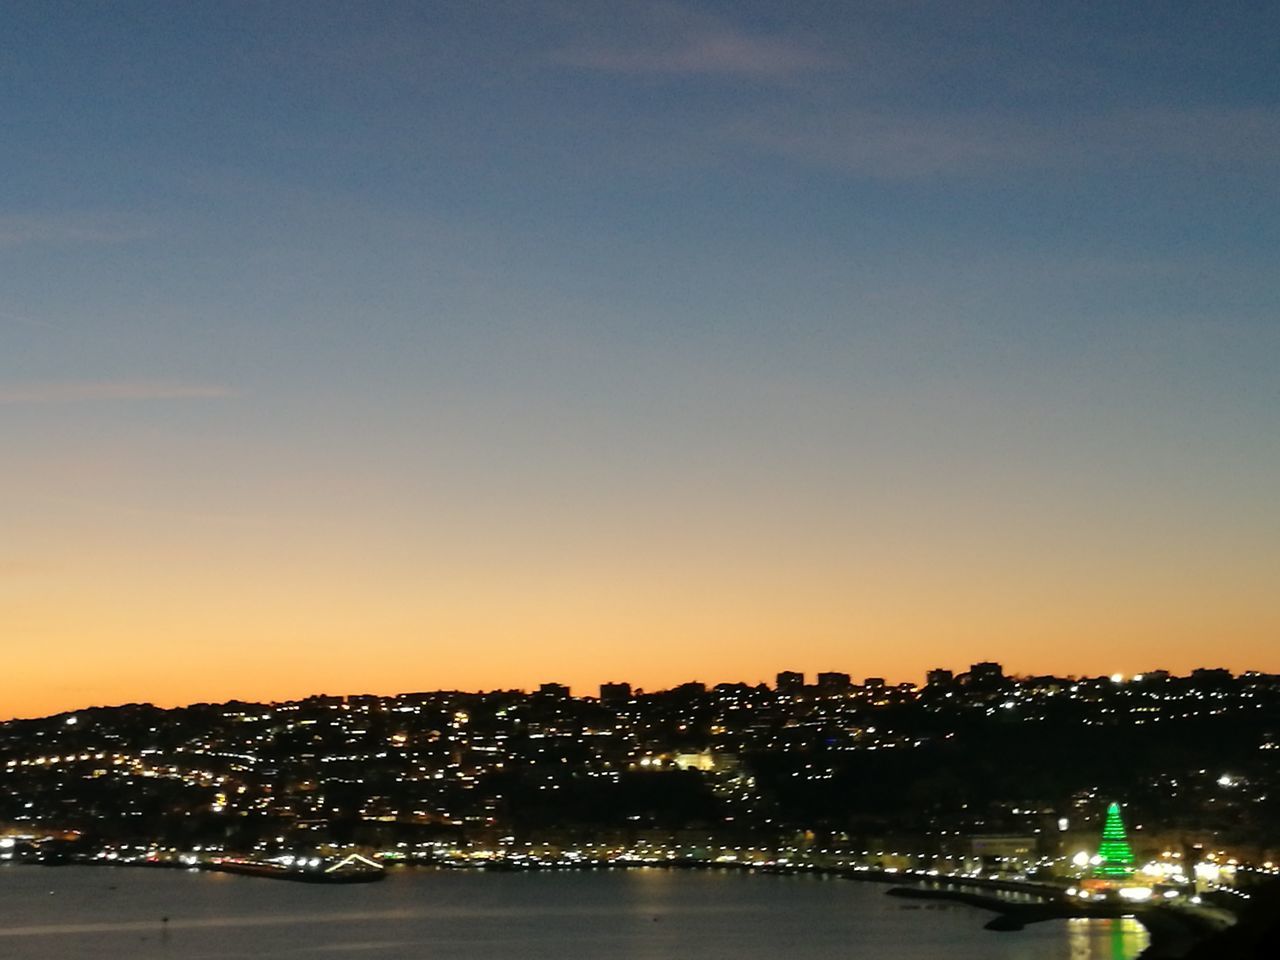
(102, 913)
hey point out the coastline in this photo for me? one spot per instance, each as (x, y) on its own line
(1176, 932)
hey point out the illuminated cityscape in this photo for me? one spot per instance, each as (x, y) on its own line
(976, 778)
(647, 479)
(976, 771)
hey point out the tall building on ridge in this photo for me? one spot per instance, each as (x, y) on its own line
(615, 692)
(832, 682)
(986, 675)
(939, 678)
(789, 681)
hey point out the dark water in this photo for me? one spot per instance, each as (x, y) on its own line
(70, 913)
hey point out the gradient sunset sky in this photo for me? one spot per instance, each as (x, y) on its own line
(374, 347)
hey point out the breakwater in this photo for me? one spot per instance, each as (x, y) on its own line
(1176, 932)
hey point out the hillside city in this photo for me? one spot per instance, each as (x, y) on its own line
(971, 771)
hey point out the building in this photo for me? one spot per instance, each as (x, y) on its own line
(789, 681)
(615, 692)
(939, 677)
(834, 683)
(986, 674)
(1000, 850)
(554, 690)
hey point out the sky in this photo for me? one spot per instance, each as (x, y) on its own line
(379, 347)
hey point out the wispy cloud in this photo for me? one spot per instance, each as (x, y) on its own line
(18, 230)
(674, 39)
(722, 52)
(75, 391)
(895, 146)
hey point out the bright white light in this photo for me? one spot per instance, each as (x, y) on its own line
(1225, 780)
(1063, 823)
(1117, 678)
(72, 721)
(1081, 859)
(1135, 893)
(1207, 871)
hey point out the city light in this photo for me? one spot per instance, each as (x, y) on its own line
(402, 769)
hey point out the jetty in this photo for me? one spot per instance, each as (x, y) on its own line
(350, 869)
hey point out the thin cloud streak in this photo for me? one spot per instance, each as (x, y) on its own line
(77, 391)
(902, 146)
(17, 230)
(724, 53)
(677, 40)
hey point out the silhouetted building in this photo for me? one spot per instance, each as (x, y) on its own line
(832, 682)
(789, 681)
(615, 692)
(986, 674)
(939, 678)
(554, 690)
(874, 683)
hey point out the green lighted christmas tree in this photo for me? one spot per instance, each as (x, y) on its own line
(1117, 856)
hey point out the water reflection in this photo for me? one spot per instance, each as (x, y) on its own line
(86, 913)
(1120, 939)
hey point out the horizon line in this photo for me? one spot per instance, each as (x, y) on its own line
(640, 691)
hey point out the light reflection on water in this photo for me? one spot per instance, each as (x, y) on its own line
(1119, 939)
(77, 913)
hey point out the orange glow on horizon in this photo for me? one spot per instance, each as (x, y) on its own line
(335, 588)
(184, 651)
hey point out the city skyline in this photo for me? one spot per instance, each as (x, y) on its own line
(981, 675)
(1148, 799)
(377, 347)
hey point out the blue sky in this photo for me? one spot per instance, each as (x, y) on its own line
(985, 280)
